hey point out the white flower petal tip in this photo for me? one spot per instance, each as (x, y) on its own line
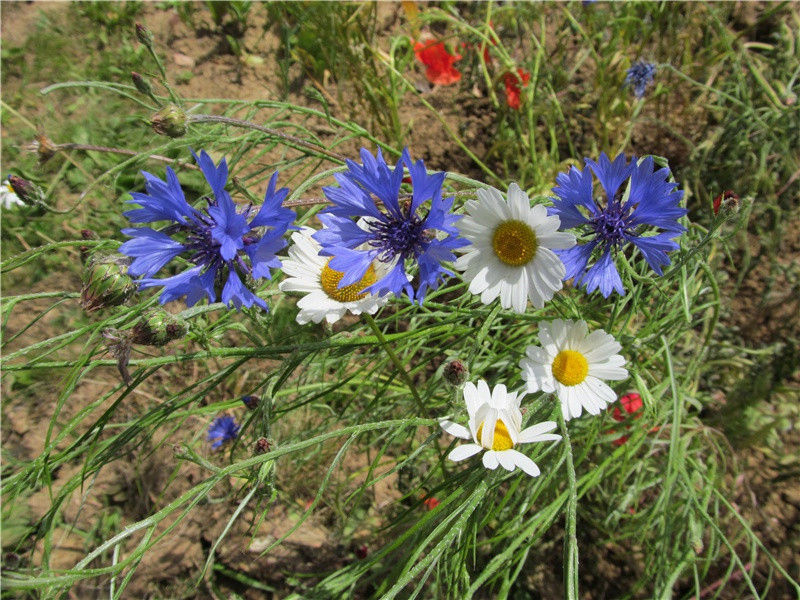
(571, 363)
(324, 300)
(495, 427)
(511, 253)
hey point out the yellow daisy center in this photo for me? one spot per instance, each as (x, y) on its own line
(514, 243)
(501, 439)
(570, 367)
(329, 280)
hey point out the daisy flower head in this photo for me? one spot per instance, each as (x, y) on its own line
(639, 76)
(8, 197)
(225, 243)
(222, 429)
(512, 253)
(368, 222)
(571, 363)
(310, 273)
(495, 427)
(636, 199)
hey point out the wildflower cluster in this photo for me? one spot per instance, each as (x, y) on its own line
(389, 230)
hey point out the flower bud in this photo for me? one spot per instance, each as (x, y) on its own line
(728, 201)
(141, 84)
(30, 193)
(169, 121)
(262, 445)
(106, 282)
(158, 327)
(455, 372)
(144, 35)
(251, 402)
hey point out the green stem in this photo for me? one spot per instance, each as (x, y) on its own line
(571, 549)
(396, 360)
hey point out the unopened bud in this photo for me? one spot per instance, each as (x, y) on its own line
(251, 402)
(30, 193)
(169, 121)
(141, 84)
(790, 98)
(262, 445)
(158, 327)
(106, 282)
(144, 35)
(362, 551)
(728, 201)
(455, 372)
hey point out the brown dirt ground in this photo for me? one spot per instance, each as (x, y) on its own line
(136, 484)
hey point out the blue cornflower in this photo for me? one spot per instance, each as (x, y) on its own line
(223, 429)
(358, 230)
(636, 198)
(217, 238)
(639, 76)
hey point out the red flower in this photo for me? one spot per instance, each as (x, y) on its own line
(431, 503)
(438, 62)
(631, 403)
(728, 197)
(513, 91)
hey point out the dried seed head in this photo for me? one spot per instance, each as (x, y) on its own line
(262, 445)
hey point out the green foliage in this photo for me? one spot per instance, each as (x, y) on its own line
(348, 409)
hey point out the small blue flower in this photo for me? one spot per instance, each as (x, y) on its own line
(217, 239)
(637, 198)
(369, 222)
(639, 76)
(223, 429)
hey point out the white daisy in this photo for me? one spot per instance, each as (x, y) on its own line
(9, 198)
(571, 364)
(494, 425)
(512, 249)
(309, 273)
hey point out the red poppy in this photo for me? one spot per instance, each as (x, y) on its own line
(729, 197)
(631, 403)
(438, 62)
(431, 503)
(512, 83)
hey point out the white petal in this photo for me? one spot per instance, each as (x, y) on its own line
(490, 460)
(455, 429)
(539, 433)
(463, 451)
(524, 463)
(506, 460)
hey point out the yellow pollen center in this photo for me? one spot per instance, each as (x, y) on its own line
(570, 367)
(514, 243)
(501, 439)
(329, 280)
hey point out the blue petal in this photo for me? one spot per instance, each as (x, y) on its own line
(237, 293)
(575, 259)
(151, 249)
(229, 226)
(603, 275)
(272, 213)
(193, 283)
(340, 232)
(262, 255)
(164, 201)
(611, 174)
(352, 263)
(655, 248)
(350, 200)
(574, 190)
(217, 177)
(393, 282)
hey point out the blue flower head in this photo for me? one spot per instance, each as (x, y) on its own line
(222, 429)
(635, 199)
(224, 243)
(368, 221)
(639, 76)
